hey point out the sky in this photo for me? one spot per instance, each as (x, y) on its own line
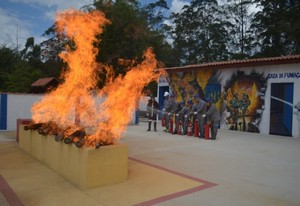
(21, 19)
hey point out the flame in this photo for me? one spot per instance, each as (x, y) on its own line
(77, 102)
(239, 90)
(254, 99)
(121, 95)
(203, 77)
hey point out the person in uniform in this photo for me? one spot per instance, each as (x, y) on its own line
(152, 110)
(213, 115)
(178, 115)
(164, 112)
(170, 109)
(200, 110)
(186, 115)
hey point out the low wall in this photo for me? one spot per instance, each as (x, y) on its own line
(83, 167)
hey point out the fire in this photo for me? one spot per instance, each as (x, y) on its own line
(253, 99)
(239, 90)
(203, 77)
(77, 103)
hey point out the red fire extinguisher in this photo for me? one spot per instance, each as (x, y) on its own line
(196, 129)
(179, 128)
(171, 125)
(207, 127)
(163, 122)
(189, 129)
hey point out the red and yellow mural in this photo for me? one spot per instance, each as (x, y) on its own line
(239, 100)
(244, 102)
(186, 84)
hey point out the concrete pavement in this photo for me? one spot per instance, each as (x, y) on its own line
(236, 169)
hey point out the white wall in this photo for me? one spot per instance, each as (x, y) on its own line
(280, 76)
(19, 106)
(273, 74)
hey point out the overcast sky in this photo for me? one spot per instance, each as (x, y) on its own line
(21, 19)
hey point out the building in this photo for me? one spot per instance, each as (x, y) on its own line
(253, 95)
(44, 85)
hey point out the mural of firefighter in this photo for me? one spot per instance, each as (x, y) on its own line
(240, 104)
(244, 95)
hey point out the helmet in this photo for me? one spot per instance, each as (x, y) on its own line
(196, 96)
(190, 102)
(166, 94)
(208, 99)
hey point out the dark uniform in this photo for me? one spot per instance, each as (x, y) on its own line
(201, 109)
(198, 109)
(165, 114)
(213, 114)
(170, 110)
(152, 110)
(178, 116)
(186, 115)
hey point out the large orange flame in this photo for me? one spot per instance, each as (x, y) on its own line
(105, 113)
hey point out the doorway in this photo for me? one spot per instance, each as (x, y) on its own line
(281, 113)
(3, 111)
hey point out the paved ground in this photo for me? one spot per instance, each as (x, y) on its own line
(237, 169)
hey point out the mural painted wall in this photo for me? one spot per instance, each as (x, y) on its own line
(240, 98)
(244, 94)
(205, 83)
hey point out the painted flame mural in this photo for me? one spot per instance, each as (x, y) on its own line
(240, 103)
(244, 102)
(78, 98)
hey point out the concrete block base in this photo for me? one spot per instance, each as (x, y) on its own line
(84, 167)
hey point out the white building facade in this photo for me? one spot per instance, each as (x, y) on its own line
(255, 95)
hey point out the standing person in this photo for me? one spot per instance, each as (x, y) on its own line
(214, 115)
(165, 114)
(193, 111)
(185, 113)
(170, 109)
(178, 116)
(200, 109)
(152, 109)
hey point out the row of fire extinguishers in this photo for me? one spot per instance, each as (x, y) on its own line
(192, 130)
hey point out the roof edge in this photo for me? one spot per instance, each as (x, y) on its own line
(291, 59)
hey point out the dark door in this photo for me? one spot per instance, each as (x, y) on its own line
(3, 111)
(281, 115)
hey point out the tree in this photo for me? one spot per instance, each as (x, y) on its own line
(155, 14)
(200, 34)
(32, 53)
(7, 58)
(50, 50)
(238, 21)
(16, 74)
(132, 29)
(277, 27)
(21, 77)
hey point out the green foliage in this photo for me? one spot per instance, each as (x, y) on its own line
(277, 27)
(132, 30)
(200, 34)
(204, 31)
(22, 76)
(16, 74)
